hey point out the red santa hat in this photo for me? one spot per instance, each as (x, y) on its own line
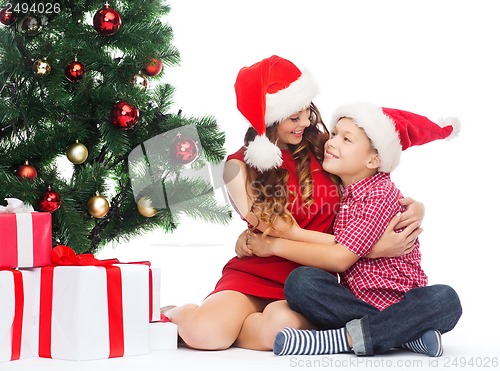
(392, 130)
(268, 92)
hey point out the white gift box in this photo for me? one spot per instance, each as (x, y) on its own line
(80, 328)
(162, 336)
(7, 313)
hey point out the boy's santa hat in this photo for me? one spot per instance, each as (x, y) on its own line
(392, 130)
(266, 93)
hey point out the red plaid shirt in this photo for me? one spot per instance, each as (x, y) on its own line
(365, 211)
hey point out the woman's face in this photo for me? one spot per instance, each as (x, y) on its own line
(291, 129)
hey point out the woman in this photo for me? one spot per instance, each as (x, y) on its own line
(277, 185)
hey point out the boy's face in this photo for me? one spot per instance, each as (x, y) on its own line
(349, 153)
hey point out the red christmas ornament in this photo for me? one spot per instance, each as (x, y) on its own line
(26, 171)
(50, 201)
(7, 17)
(153, 67)
(184, 150)
(124, 116)
(74, 71)
(107, 21)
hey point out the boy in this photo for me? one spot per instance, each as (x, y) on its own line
(364, 147)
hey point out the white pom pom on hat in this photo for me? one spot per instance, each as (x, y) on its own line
(268, 92)
(262, 154)
(392, 130)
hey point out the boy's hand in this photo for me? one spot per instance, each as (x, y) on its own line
(415, 212)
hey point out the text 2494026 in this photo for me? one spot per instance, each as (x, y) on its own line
(33, 7)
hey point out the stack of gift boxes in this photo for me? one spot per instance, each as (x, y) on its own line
(56, 304)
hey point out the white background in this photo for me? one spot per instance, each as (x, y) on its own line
(436, 58)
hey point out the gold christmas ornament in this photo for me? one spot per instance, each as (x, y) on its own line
(77, 153)
(31, 26)
(145, 208)
(41, 67)
(98, 206)
(140, 81)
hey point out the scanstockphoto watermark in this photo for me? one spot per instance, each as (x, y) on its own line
(165, 179)
(170, 170)
(269, 191)
(354, 362)
(464, 362)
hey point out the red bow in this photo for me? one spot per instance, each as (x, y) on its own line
(64, 255)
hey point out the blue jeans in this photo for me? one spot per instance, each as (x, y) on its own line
(317, 295)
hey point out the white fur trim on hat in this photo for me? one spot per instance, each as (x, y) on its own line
(378, 127)
(455, 124)
(262, 154)
(292, 99)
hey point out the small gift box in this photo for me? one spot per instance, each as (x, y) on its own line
(92, 309)
(26, 238)
(16, 314)
(162, 336)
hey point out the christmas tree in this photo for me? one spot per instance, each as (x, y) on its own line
(76, 92)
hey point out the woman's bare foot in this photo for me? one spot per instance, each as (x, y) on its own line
(164, 310)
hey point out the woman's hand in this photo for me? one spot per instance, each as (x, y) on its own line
(392, 244)
(241, 247)
(415, 212)
(259, 245)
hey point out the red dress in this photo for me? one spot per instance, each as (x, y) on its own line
(265, 277)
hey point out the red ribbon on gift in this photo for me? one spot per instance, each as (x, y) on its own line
(150, 295)
(65, 256)
(17, 322)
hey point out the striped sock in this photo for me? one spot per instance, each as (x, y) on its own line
(429, 343)
(301, 342)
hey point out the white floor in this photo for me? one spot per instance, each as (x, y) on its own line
(457, 355)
